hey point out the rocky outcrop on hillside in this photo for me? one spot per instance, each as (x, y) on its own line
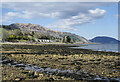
(40, 29)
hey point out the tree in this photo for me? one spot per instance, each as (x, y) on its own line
(5, 34)
(33, 33)
(66, 39)
(16, 32)
(73, 40)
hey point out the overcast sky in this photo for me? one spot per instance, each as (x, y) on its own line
(87, 19)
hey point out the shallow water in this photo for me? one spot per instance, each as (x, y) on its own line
(100, 47)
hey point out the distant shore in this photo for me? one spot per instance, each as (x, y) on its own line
(44, 43)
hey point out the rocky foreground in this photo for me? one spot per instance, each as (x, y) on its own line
(58, 62)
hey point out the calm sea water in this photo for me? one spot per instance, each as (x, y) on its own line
(101, 47)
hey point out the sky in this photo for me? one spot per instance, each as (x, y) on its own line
(87, 19)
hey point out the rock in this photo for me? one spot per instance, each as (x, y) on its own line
(114, 80)
(65, 64)
(77, 67)
(25, 72)
(46, 56)
(18, 79)
(9, 64)
(76, 63)
(27, 68)
(35, 76)
(13, 63)
(91, 60)
(30, 73)
(80, 60)
(60, 74)
(62, 58)
(40, 70)
(20, 65)
(41, 75)
(97, 78)
(13, 55)
(6, 61)
(29, 65)
(98, 59)
(51, 79)
(36, 73)
(36, 67)
(117, 63)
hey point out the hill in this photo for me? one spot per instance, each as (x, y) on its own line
(38, 30)
(104, 40)
(42, 30)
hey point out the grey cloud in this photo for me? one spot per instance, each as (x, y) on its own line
(65, 10)
(70, 14)
(59, 0)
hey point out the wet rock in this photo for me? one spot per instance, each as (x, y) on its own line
(9, 64)
(6, 61)
(56, 59)
(97, 63)
(114, 80)
(51, 79)
(72, 63)
(91, 60)
(44, 67)
(40, 70)
(84, 61)
(46, 56)
(29, 65)
(20, 65)
(32, 77)
(30, 74)
(25, 72)
(65, 64)
(36, 74)
(98, 59)
(41, 75)
(76, 63)
(36, 67)
(80, 60)
(77, 68)
(18, 79)
(70, 71)
(60, 74)
(62, 58)
(117, 63)
(50, 58)
(27, 68)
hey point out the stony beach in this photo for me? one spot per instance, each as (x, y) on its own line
(59, 62)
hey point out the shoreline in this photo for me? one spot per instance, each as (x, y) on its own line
(74, 45)
(59, 57)
(44, 43)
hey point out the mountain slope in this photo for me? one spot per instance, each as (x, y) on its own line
(40, 29)
(104, 40)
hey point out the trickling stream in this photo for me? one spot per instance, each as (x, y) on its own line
(79, 75)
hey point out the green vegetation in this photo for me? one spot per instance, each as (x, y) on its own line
(14, 35)
(11, 34)
(68, 39)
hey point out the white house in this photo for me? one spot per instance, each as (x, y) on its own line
(45, 40)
